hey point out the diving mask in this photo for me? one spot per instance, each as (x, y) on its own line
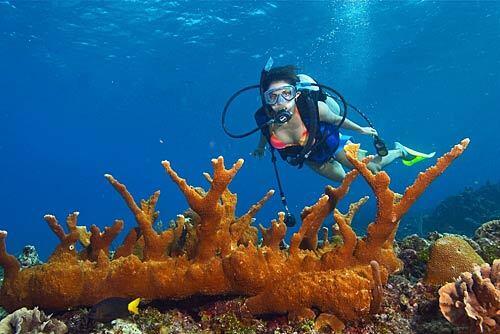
(282, 94)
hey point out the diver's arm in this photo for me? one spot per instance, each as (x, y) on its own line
(329, 116)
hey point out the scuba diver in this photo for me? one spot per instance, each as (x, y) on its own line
(327, 157)
(301, 120)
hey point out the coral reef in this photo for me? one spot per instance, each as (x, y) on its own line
(450, 256)
(217, 254)
(29, 257)
(31, 321)
(465, 212)
(487, 236)
(406, 308)
(414, 252)
(474, 299)
(125, 327)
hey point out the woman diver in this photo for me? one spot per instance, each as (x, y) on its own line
(284, 101)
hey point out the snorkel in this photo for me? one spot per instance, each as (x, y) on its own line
(263, 74)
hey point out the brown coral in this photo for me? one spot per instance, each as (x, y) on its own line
(449, 257)
(219, 255)
(474, 299)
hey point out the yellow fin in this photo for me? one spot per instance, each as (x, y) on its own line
(133, 306)
(418, 154)
(413, 161)
(410, 156)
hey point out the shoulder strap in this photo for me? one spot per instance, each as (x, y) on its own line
(308, 108)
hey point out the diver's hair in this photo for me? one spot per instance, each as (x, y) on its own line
(287, 73)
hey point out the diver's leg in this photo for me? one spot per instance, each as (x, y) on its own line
(376, 164)
(331, 169)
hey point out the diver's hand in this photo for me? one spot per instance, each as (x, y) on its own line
(368, 131)
(258, 152)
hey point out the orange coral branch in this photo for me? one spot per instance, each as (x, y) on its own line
(424, 179)
(102, 241)
(314, 216)
(129, 200)
(273, 236)
(222, 178)
(148, 207)
(354, 208)
(155, 245)
(348, 235)
(228, 199)
(204, 204)
(240, 228)
(242, 224)
(339, 192)
(379, 183)
(9, 262)
(228, 202)
(254, 209)
(55, 227)
(310, 222)
(390, 207)
(67, 245)
(194, 199)
(127, 247)
(212, 235)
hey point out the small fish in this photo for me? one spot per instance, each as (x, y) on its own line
(112, 308)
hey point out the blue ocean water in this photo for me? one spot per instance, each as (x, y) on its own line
(95, 87)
